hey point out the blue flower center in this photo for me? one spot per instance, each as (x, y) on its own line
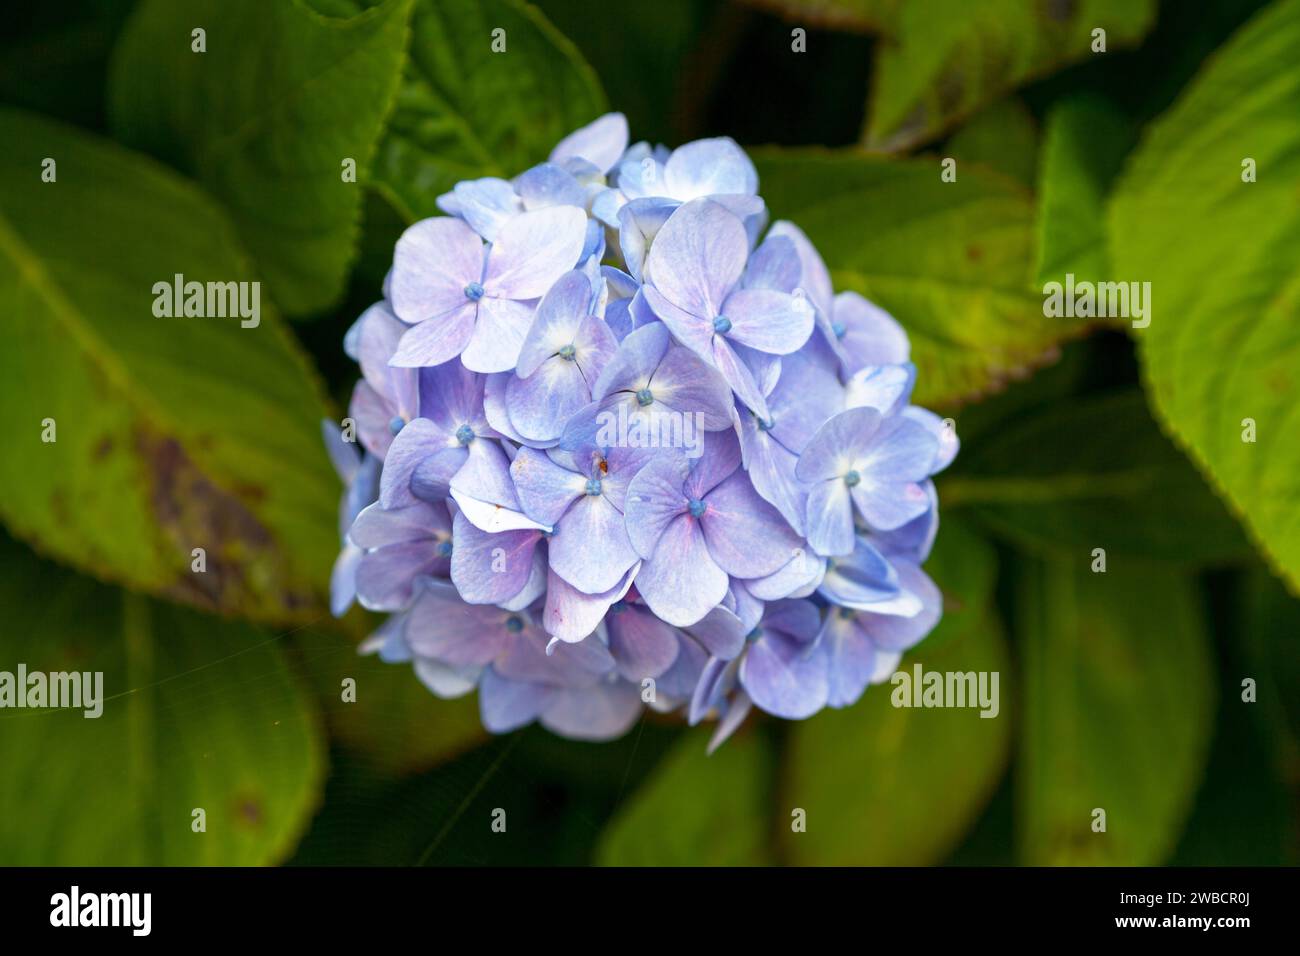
(473, 292)
(444, 549)
(567, 353)
(722, 325)
(839, 329)
(464, 434)
(764, 426)
(397, 424)
(645, 397)
(514, 624)
(618, 607)
(847, 614)
(852, 478)
(593, 486)
(754, 635)
(697, 507)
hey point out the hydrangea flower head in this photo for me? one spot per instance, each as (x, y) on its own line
(621, 450)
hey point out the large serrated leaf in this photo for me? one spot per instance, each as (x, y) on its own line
(1222, 353)
(265, 119)
(950, 260)
(198, 714)
(171, 433)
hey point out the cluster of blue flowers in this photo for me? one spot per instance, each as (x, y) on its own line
(625, 447)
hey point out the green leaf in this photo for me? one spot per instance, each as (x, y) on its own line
(697, 809)
(1272, 635)
(1085, 145)
(265, 119)
(172, 433)
(1002, 137)
(197, 713)
(899, 786)
(945, 58)
(1221, 255)
(1118, 699)
(465, 111)
(950, 261)
(391, 721)
(1094, 472)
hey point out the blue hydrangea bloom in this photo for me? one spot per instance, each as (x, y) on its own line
(619, 447)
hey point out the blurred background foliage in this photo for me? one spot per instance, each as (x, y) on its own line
(1120, 690)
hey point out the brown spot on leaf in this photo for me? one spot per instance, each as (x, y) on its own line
(102, 448)
(245, 568)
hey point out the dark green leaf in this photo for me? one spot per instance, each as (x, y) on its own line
(1222, 351)
(197, 713)
(1084, 146)
(172, 433)
(1117, 705)
(887, 785)
(950, 261)
(1002, 137)
(465, 111)
(1095, 472)
(265, 119)
(697, 809)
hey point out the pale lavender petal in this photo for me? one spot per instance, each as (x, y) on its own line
(688, 329)
(851, 658)
(486, 204)
(533, 250)
(707, 167)
(439, 339)
(433, 262)
(885, 388)
(639, 222)
(556, 323)
(507, 705)
(490, 568)
(746, 536)
(544, 488)
(601, 142)
(839, 444)
(571, 615)
(685, 383)
(498, 335)
(697, 258)
(773, 265)
(418, 440)
(720, 460)
(597, 713)
(943, 431)
(590, 547)
(442, 626)
(739, 376)
(871, 336)
(829, 521)
(896, 632)
(768, 321)
(681, 582)
(902, 450)
(814, 278)
(785, 678)
(642, 645)
(550, 185)
(378, 335)
(654, 499)
(386, 576)
(860, 578)
(886, 506)
(721, 633)
(541, 404)
(446, 682)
